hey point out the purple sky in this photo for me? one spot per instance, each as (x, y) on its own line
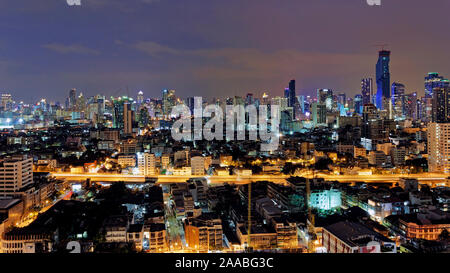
(215, 48)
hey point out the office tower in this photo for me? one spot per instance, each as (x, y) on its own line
(438, 149)
(81, 103)
(410, 106)
(398, 92)
(370, 113)
(119, 110)
(319, 113)
(281, 102)
(127, 119)
(323, 95)
(168, 101)
(249, 99)
(140, 98)
(301, 101)
(289, 93)
(72, 98)
(432, 81)
(342, 98)
(6, 102)
(367, 90)
(146, 163)
(358, 103)
(16, 173)
(383, 79)
(441, 105)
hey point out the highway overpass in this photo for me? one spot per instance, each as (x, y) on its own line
(432, 179)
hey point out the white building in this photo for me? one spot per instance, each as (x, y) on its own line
(439, 147)
(146, 163)
(325, 199)
(16, 172)
(198, 165)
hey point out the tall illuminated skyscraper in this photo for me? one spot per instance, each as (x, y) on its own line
(367, 90)
(168, 101)
(72, 98)
(398, 92)
(383, 78)
(433, 80)
(441, 105)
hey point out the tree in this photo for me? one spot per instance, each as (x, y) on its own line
(322, 164)
(444, 235)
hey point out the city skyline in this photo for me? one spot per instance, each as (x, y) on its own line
(184, 54)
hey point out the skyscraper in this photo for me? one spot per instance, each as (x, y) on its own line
(358, 103)
(441, 105)
(433, 80)
(127, 119)
(398, 92)
(383, 77)
(140, 98)
(168, 101)
(72, 98)
(323, 95)
(438, 150)
(289, 93)
(319, 113)
(367, 90)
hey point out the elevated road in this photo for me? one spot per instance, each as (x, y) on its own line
(432, 179)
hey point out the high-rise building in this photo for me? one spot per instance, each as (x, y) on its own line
(168, 101)
(441, 105)
(358, 103)
(72, 98)
(16, 172)
(383, 77)
(324, 95)
(249, 100)
(6, 102)
(290, 94)
(127, 119)
(438, 135)
(319, 113)
(432, 81)
(367, 90)
(140, 97)
(398, 92)
(119, 111)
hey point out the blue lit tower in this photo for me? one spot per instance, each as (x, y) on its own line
(383, 78)
(433, 80)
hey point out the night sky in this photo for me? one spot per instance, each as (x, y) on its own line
(215, 48)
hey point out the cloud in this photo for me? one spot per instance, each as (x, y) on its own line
(71, 49)
(155, 49)
(252, 62)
